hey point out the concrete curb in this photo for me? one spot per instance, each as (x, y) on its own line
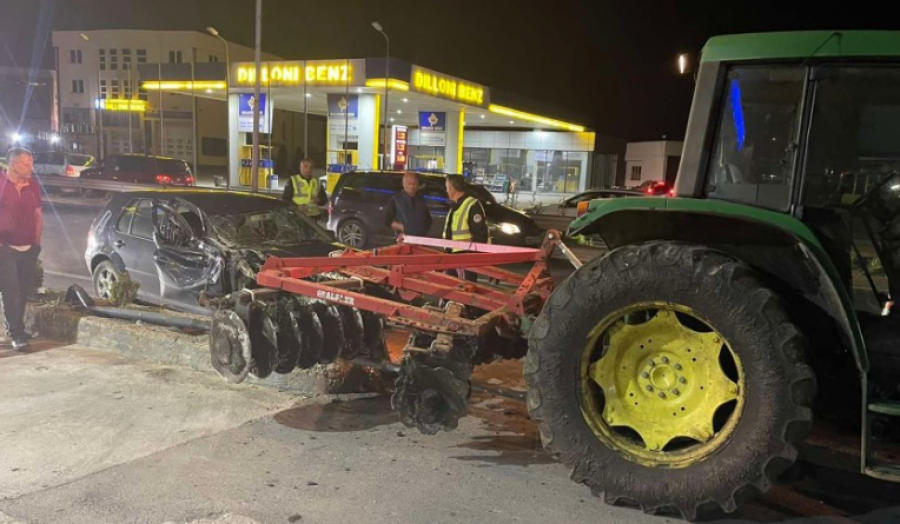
(174, 347)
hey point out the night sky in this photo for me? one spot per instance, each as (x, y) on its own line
(607, 64)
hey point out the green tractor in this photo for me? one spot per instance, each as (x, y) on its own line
(680, 372)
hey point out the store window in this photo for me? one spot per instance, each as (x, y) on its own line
(636, 173)
(534, 171)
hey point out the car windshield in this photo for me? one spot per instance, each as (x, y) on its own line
(282, 225)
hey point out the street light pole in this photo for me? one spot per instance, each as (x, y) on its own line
(212, 30)
(387, 82)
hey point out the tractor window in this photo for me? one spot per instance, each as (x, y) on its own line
(752, 159)
(855, 134)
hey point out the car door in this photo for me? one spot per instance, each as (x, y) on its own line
(132, 239)
(185, 261)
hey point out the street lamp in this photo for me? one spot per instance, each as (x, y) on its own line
(212, 30)
(387, 80)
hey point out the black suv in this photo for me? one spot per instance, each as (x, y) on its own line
(142, 169)
(359, 199)
(177, 243)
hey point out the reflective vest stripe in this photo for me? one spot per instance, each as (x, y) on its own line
(459, 228)
(305, 191)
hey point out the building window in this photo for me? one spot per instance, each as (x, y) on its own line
(213, 58)
(115, 89)
(103, 59)
(142, 56)
(126, 52)
(635, 173)
(103, 89)
(127, 84)
(75, 56)
(78, 86)
(142, 94)
(174, 57)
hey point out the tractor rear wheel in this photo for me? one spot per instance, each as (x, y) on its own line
(669, 377)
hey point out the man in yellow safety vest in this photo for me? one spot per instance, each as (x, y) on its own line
(466, 220)
(305, 191)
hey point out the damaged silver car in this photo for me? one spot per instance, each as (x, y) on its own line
(179, 243)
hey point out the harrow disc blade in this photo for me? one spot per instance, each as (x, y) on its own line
(289, 337)
(354, 332)
(229, 346)
(333, 331)
(313, 338)
(263, 340)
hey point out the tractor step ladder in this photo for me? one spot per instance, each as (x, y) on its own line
(870, 465)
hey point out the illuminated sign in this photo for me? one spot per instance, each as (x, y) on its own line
(121, 104)
(399, 147)
(448, 87)
(298, 72)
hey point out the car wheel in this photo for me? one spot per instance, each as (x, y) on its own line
(353, 233)
(105, 275)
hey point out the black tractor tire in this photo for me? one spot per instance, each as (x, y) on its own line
(779, 386)
(353, 233)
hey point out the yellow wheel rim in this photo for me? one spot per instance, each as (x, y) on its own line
(660, 386)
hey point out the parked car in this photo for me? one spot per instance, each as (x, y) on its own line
(177, 243)
(567, 206)
(142, 169)
(356, 212)
(60, 163)
(656, 188)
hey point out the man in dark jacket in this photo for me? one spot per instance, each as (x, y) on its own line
(407, 212)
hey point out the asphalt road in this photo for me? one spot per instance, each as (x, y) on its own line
(65, 240)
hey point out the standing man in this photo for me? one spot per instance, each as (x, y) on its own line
(407, 212)
(466, 221)
(21, 223)
(305, 191)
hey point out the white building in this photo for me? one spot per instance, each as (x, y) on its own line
(652, 161)
(104, 64)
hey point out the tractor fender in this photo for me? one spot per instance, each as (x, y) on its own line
(781, 248)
